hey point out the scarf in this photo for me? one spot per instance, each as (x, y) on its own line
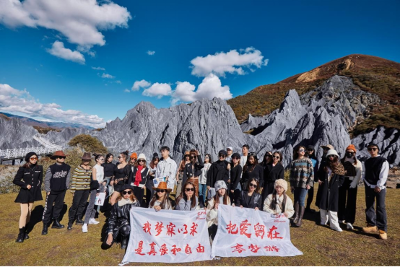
(138, 177)
(338, 169)
(124, 201)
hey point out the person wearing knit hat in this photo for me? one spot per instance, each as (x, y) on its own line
(348, 191)
(278, 202)
(320, 173)
(29, 177)
(221, 198)
(133, 159)
(138, 178)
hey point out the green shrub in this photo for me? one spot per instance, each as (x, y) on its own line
(88, 143)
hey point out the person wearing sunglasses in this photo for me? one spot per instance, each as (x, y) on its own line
(193, 169)
(320, 171)
(252, 170)
(329, 184)
(179, 174)
(121, 174)
(278, 202)
(348, 191)
(203, 180)
(220, 198)
(301, 180)
(267, 159)
(375, 177)
(160, 200)
(119, 220)
(138, 178)
(272, 172)
(236, 174)
(219, 170)
(29, 177)
(152, 174)
(56, 183)
(250, 198)
(310, 153)
(187, 200)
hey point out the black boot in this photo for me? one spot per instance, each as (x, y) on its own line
(21, 235)
(124, 242)
(27, 230)
(57, 224)
(296, 210)
(70, 223)
(45, 229)
(79, 221)
(298, 224)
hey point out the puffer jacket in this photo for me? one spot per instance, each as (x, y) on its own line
(120, 215)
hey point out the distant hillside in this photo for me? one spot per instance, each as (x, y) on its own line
(371, 74)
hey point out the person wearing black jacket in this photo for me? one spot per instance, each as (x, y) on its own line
(122, 172)
(109, 168)
(320, 174)
(29, 177)
(272, 172)
(192, 170)
(236, 172)
(138, 178)
(250, 198)
(56, 183)
(252, 170)
(119, 221)
(219, 170)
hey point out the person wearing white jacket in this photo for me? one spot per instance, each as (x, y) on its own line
(348, 191)
(278, 202)
(167, 168)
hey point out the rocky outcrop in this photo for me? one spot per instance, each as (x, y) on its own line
(15, 134)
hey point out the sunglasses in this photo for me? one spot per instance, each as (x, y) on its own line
(301, 150)
(221, 155)
(276, 157)
(60, 157)
(141, 160)
(372, 148)
(33, 158)
(331, 156)
(310, 150)
(160, 190)
(126, 192)
(253, 185)
(235, 158)
(193, 157)
(189, 189)
(268, 155)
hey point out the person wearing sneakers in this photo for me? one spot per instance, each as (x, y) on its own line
(376, 174)
(348, 191)
(56, 183)
(138, 178)
(330, 183)
(97, 182)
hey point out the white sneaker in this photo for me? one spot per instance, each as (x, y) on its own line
(349, 226)
(84, 228)
(93, 221)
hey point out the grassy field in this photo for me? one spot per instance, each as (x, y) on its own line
(320, 245)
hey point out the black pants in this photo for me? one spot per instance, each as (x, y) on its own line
(58, 199)
(347, 202)
(139, 193)
(149, 195)
(377, 218)
(212, 231)
(310, 196)
(78, 204)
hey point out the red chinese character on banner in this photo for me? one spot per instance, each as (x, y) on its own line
(231, 228)
(273, 234)
(163, 249)
(170, 229)
(259, 230)
(159, 227)
(147, 227)
(193, 229)
(254, 248)
(140, 248)
(271, 248)
(152, 250)
(238, 248)
(188, 249)
(200, 248)
(174, 250)
(243, 228)
(184, 231)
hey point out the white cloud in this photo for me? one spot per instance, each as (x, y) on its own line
(158, 89)
(127, 91)
(119, 82)
(98, 68)
(150, 53)
(14, 100)
(59, 50)
(209, 88)
(230, 62)
(140, 84)
(107, 76)
(79, 21)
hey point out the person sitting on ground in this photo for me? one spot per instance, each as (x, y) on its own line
(160, 200)
(278, 202)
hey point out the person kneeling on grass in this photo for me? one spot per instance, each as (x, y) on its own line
(119, 222)
(160, 200)
(278, 202)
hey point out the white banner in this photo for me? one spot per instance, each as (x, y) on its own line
(167, 236)
(247, 232)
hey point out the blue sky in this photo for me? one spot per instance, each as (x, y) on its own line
(54, 62)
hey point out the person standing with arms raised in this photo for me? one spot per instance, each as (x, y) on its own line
(376, 174)
(56, 183)
(167, 168)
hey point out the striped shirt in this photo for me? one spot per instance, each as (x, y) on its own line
(81, 179)
(301, 173)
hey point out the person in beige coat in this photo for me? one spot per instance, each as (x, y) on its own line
(278, 202)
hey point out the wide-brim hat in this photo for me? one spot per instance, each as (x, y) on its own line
(58, 153)
(163, 185)
(126, 186)
(330, 147)
(86, 156)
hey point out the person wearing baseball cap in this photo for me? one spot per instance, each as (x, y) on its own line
(229, 151)
(376, 174)
(56, 183)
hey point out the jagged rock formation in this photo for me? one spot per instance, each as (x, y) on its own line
(15, 134)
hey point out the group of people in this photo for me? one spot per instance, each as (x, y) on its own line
(233, 179)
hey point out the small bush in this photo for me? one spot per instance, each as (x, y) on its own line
(88, 143)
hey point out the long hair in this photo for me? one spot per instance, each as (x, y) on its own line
(225, 198)
(332, 164)
(296, 152)
(253, 180)
(274, 201)
(125, 155)
(193, 153)
(165, 200)
(264, 162)
(209, 156)
(131, 196)
(251, 154)
(183, 195)
(155, 157)
(97, 156)
(109, 155)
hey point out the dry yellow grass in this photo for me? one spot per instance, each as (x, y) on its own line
(320, 245)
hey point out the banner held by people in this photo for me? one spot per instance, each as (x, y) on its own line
(167, 236)
(247, 232)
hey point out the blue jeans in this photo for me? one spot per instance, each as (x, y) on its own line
(300, 196)
(202, 192)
